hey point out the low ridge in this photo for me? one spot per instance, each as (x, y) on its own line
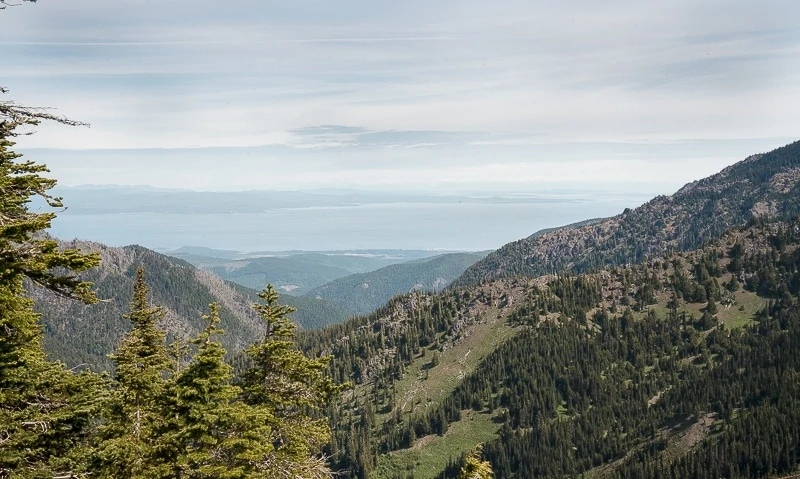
(365, 292)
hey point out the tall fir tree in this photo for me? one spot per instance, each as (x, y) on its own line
(134, 411)
(46, 411)
(210, 433)
(475, 467)
(294, 388)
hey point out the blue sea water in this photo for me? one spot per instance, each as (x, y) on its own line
(453, 226)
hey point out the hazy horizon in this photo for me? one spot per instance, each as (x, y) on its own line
(319, 221)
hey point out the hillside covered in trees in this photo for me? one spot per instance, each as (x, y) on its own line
(85, 334)
(683, 366)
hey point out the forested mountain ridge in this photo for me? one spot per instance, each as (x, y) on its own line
(673, 368)
(365, 292)
(85, 334)
(763, 185)
(618, 373)
(386, 355)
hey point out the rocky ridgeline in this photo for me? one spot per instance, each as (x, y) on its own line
(764, 185)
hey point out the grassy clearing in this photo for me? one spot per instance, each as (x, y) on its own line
(430, 454)
(421, 387)
(737, 315)
(741, 313)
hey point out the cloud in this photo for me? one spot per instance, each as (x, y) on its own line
(644, 167)
(434, 84)
(339, 136)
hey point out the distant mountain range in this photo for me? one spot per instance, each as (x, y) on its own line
(293, 272)
(365, 292)
(357, 281)
(81, 334)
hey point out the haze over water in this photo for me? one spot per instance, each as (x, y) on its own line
(449, 226)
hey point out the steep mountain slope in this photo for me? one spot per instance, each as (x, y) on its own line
(681, 382)
(677, 366)
(313, 313)
(387, 356)
(764, 185)
(362, 293)
(81, 334)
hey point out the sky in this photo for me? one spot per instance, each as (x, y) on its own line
(373, 94)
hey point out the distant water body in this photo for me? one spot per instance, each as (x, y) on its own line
(450, 226)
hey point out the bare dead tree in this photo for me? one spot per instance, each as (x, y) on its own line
(14, 114)
(6, 3)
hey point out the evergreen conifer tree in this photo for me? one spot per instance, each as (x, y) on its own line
(293, 388)
(134, 410)
(210, 433)
(46, 411)
(711, 307)
(475, 468)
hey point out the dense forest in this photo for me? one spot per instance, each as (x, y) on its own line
(672, 368)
